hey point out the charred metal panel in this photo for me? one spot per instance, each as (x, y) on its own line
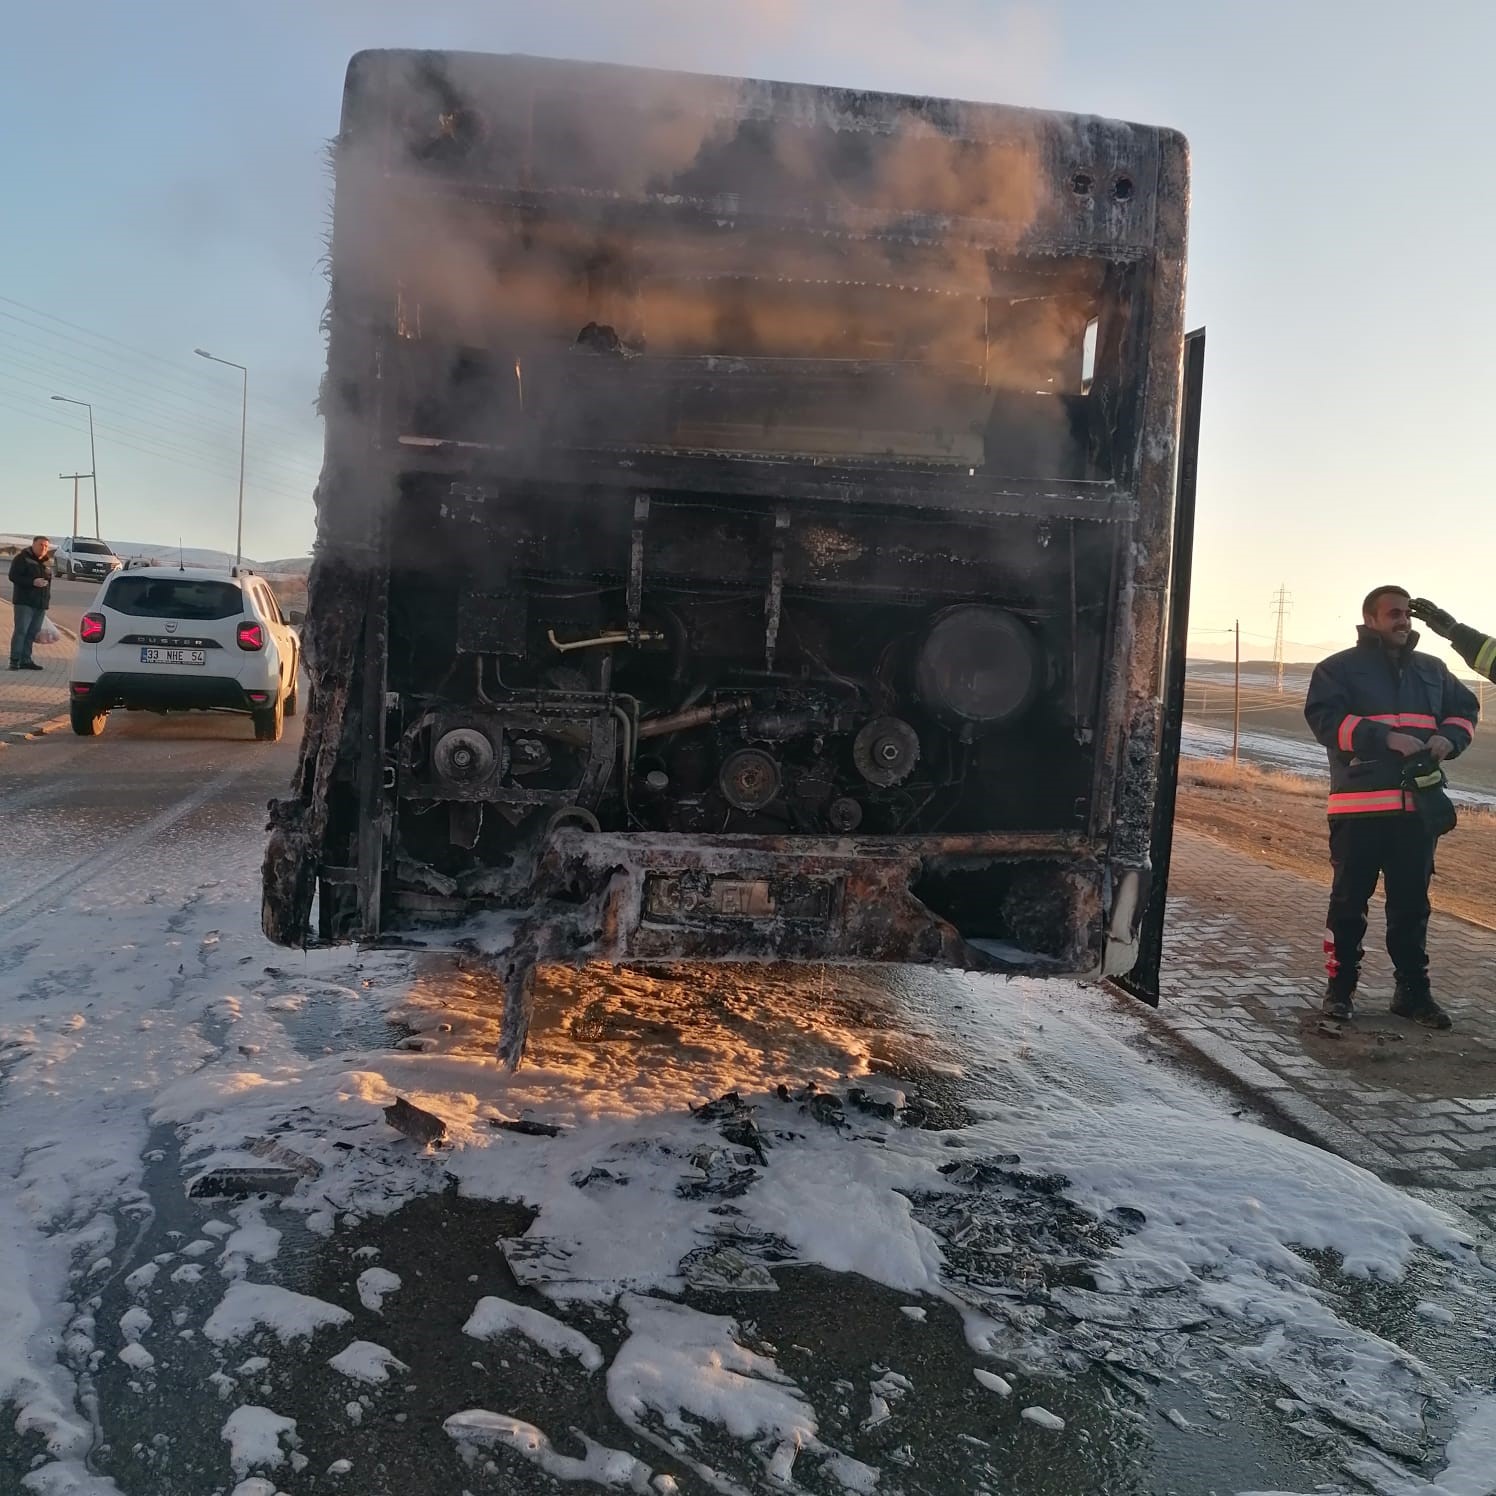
(745, 522)
(1143, 979)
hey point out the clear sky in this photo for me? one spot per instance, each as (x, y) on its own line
(165, 189)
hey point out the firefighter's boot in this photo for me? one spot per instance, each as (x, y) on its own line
(1339, 1001)
(1411, 998)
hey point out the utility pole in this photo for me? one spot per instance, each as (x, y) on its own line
(73, 533)
(1282, 602)
(243, 428)
(1236, 710)
(93, 462)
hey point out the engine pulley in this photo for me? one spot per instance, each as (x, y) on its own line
(886, 751)
(844, 814)
(464, 756)
(978, 668)
(749, 779)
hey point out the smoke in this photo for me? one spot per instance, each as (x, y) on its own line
(701, 216)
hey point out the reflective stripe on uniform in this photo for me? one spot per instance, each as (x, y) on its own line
(1345, 734)
(1369, 802)
(1485, 657)
(1461, 722)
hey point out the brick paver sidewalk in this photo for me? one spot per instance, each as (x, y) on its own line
(29, 699)
(1242, 981)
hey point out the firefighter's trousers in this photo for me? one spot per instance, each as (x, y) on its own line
(1398, 849)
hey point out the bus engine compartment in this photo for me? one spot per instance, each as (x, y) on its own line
(744, 525)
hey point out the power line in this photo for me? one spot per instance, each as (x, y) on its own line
(103, 337)
(152, 446)
(199, 395)
(62, 364)
(123, 437)
(286, 468)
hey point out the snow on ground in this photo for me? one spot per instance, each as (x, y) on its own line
(247, 1308)
(254, 1436)
(479, 1429)
(1471, 1456)
(495, 1317)
(1291, 755)
(363, 1361)
(1203, 1219)
(1044, 1418)
(678, 1360)
(375, 1284)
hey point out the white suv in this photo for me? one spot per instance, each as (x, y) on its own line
(83, 560)
(171, 638)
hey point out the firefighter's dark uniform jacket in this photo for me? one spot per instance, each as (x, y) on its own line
(1475, 649)
(1359, 696)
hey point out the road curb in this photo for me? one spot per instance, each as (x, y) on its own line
(1298, 1115)
(12, 737)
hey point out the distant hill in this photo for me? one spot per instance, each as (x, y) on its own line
(131, 550)
(167, 555)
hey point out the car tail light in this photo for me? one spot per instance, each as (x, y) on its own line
(258, 697)
(91, 629)
(251, 636)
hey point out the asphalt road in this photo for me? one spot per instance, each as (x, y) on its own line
(133, 970)
(124, 794)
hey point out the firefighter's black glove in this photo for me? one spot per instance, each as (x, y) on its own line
(1435, 617)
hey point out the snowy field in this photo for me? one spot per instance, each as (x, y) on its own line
(1270, 750)
(938, 1233)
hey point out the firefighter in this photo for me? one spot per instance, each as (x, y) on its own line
(1475, 649)
(1379, 709)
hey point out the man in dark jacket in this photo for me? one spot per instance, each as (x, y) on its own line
(1477, 650)
(1377, 708)
(31, 592)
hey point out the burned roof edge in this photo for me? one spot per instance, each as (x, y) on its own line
(826, 103)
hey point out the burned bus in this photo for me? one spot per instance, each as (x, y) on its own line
(746, 524)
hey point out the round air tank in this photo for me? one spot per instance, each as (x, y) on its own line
(978, 668)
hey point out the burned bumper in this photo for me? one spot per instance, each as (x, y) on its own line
(994, 902)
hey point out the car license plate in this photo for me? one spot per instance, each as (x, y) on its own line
(153, 656)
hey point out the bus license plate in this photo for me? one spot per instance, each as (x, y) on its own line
(153, 656)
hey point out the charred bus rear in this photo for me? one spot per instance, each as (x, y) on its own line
(745, 524)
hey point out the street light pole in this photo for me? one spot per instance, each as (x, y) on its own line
(92, 462)
(243, 428)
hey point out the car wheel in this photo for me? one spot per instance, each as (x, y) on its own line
(293, 696)
(270, 723)
(87, 722)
